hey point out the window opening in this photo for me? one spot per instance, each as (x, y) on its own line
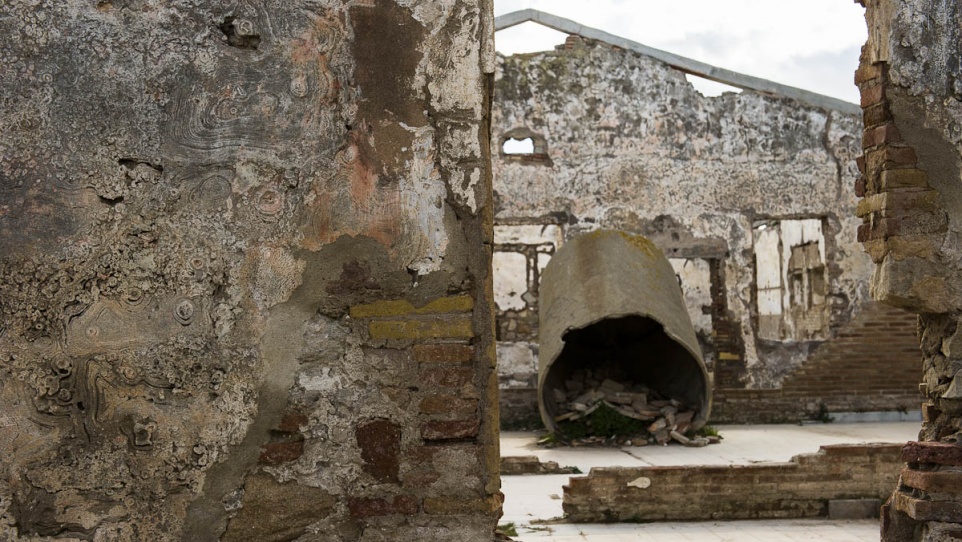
(518, 146)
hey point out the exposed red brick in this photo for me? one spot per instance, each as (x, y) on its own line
(450, 430)
(380, 444)
(275, 453)
(367, 507)
(449, 404)
(421, 455)
(876, 114)
(926, 510)
(933, 481)
(889, 157)
(939, 453)
(867, 72)
(443, 353)
(872, 95)
(881, 135)
(292, 422)
(864, 233)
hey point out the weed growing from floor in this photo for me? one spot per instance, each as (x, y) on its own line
(507, 529)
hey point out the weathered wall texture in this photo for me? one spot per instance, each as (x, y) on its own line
(747, 194)
(244, 286)
(911, 85)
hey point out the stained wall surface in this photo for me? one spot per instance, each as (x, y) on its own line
(244, 271)
(749, 195)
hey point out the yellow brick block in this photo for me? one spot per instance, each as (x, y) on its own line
(903, 178)
(870, 204)
(402, 307)
(449, 328)
(728, 357)
(900, 203)
(449, 506)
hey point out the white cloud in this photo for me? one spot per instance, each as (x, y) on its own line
(527, 38)
(812, 45)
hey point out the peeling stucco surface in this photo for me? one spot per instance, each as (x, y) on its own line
(192, 197)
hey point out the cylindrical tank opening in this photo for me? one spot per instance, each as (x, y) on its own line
(629, 349)
(617, 348)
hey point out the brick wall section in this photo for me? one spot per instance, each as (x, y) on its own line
(873, 364)
(800, 488)
(447, 392)
(519, 408)
(877, 352)
(929, 489)
(729, 369)
(897, 200)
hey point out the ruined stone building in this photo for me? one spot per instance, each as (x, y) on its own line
(245, 253)
(244, 271)
(748, 194)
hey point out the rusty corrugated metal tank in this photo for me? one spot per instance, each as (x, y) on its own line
(612, 297)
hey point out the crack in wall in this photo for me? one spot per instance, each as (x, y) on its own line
(827, 143)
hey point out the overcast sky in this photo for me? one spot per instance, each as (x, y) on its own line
(810, 44)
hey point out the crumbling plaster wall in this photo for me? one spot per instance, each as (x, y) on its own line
(911, 86)
(629, 144)
(244, 271)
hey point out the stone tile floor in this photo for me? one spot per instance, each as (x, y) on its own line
(531, 500)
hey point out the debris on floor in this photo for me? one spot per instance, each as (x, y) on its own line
(601, 411)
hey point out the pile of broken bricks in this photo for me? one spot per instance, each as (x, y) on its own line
(669, 419)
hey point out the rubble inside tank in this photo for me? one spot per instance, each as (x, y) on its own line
(594, 409)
